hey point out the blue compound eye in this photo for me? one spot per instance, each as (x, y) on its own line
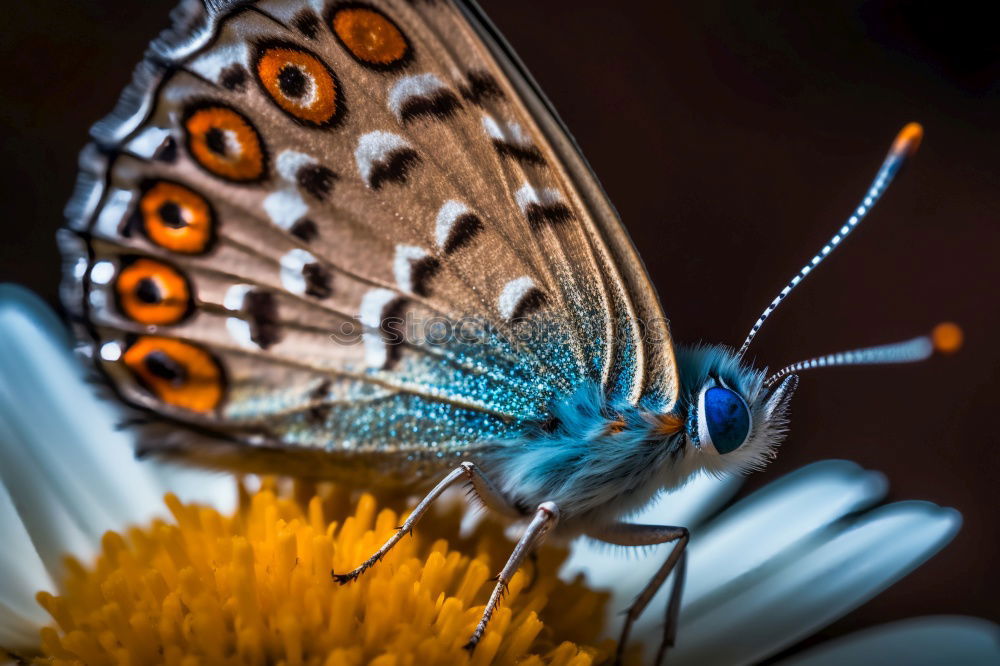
(724, 418)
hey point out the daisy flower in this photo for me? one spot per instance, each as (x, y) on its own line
(98, 568)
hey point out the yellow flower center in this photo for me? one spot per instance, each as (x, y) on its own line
(255, 588)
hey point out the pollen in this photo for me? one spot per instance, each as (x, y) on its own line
(255, 587)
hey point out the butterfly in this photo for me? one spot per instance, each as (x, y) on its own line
(353, 241)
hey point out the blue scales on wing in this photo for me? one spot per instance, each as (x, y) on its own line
(320, 231)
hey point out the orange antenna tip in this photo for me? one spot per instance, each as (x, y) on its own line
(908, 140)
(947, 337)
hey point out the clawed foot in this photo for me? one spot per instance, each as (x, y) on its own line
(343, 579)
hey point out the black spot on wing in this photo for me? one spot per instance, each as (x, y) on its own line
(307, 23)
(317, 280)
(462, 232)
(441, 104)
(539, 215)
(148, 291)
(215, 140)
(480, 87)
(234, 78)
(526, 154)
(132, 224)
(393, 330)
(159, 364)
(292, 82)
(395, 168)
(262, 315)
(167, 151)
(532, 301)
(316, 179)
(319, 393)
(305, 230)
(170, 214)
(421, 272)
(318, 414)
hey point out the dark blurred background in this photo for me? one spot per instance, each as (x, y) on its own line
(733, 137)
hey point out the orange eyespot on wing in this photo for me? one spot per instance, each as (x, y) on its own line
(224, 142)
(300, 84)
(370, 36)
(178, 373)
(177, 218)
(153, 293)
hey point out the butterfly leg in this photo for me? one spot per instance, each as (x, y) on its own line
(481, 487)
(627, 534)
(545, 518)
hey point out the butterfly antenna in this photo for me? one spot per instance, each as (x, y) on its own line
(946, 338)
(904, 147)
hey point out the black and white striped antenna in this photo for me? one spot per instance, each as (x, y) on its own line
(905, 145)
(946, 338)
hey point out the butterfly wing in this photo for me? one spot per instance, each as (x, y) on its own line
(645, 360)
(351, 229)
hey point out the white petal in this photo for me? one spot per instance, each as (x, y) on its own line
(605, 565)
(763, 525)
(921, 641)
(811, 584)
(623, 571)
(54, 526)
(16, 631)
(69, 472)
(692, 503)
(21, 576)
(755, 530)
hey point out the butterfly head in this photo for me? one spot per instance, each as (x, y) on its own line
(733, 422)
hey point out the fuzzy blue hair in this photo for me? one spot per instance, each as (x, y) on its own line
(591, 454)
(599, 458)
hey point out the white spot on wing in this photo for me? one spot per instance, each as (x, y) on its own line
(287, 11)
(233, 300)
(419, 85)
(512, 295)
(375, 147)
(290, 161)
(292, 265)
(373, 305)
(528, 195)
(234, 144)
(102, 272)
(239, 330)
(285, 207)
(112, 213)
(98, 300)
(148, 141)
(111, 351)
(79, 268)
(210, 64)
(402, 264)
(509, 132)
(449, 213)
